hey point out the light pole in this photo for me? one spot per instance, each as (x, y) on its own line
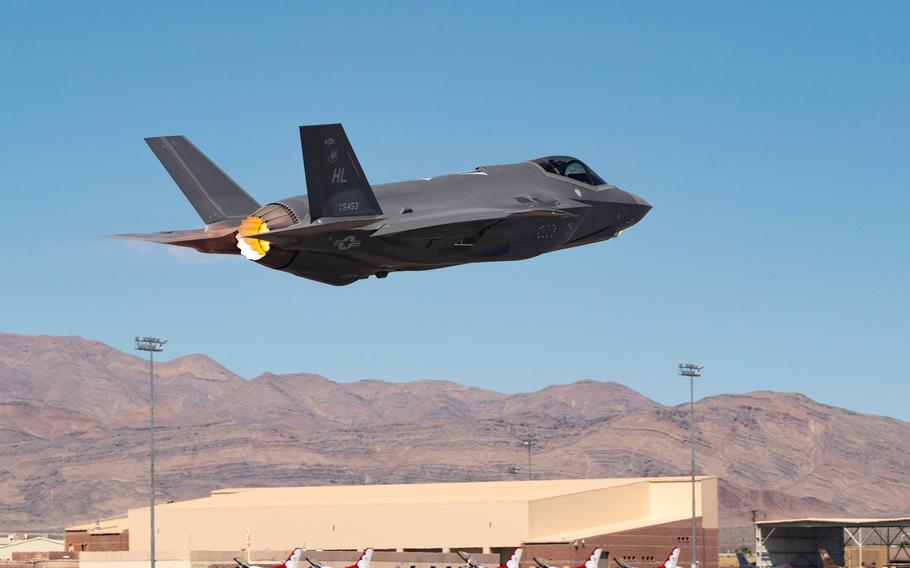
(529, 442)
(692, 370)
(755, 539)
(152, 345)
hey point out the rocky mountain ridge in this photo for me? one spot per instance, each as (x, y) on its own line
(74, 438)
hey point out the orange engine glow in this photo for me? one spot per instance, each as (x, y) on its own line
(251, 248)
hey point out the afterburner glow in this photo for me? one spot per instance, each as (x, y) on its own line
(251, 248)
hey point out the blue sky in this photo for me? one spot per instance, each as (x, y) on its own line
(772, 139)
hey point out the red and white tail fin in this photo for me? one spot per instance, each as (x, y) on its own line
(364, 560)
(514, 560)
(593, 559)
(671, 560)
(293, 559)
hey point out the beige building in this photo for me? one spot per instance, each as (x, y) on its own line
(640, 519)
(108, 535)
(38, 546)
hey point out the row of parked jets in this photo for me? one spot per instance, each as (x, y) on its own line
(293, 560)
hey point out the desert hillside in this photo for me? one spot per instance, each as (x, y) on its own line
(74, 440)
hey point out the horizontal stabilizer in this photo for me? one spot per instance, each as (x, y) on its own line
(214, 195)
(214, 239)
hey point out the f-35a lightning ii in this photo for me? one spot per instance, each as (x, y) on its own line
(344, 229)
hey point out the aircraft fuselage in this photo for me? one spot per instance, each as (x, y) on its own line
(586, 214)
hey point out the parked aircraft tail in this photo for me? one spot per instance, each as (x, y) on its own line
(293, 560)
(594, 559)
(364, 560)
(214, 195)
(514, 560)
(336, 184)
(672, 559)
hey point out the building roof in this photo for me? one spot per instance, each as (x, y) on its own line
(423, 493)
(106, 526)
(32, 540)
(843, 522)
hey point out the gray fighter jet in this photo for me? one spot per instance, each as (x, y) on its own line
(344, 229)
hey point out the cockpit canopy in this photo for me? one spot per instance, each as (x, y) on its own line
(571, 168)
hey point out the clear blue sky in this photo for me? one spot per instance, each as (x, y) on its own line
(773, 139)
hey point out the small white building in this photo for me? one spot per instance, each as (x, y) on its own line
(36, 544)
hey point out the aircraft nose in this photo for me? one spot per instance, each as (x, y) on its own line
(634, 207)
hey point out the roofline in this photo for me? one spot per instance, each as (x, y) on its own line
(32, 539)
(661, 479)
(846, 522)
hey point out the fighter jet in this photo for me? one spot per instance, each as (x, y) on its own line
(592, 562)
(513, 562)
(291, 562)
(345, 229)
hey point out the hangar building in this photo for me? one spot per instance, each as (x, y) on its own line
(638, 519)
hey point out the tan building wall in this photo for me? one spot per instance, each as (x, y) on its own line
(668, 497)
(581, 511)
(394, 526)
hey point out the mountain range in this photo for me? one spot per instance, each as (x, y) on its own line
(74, 437)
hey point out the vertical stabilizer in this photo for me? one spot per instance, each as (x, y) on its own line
(364, 560)
(514, 561)
(293, 560)
(672, 559)
(594, 559)
(336, 184)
